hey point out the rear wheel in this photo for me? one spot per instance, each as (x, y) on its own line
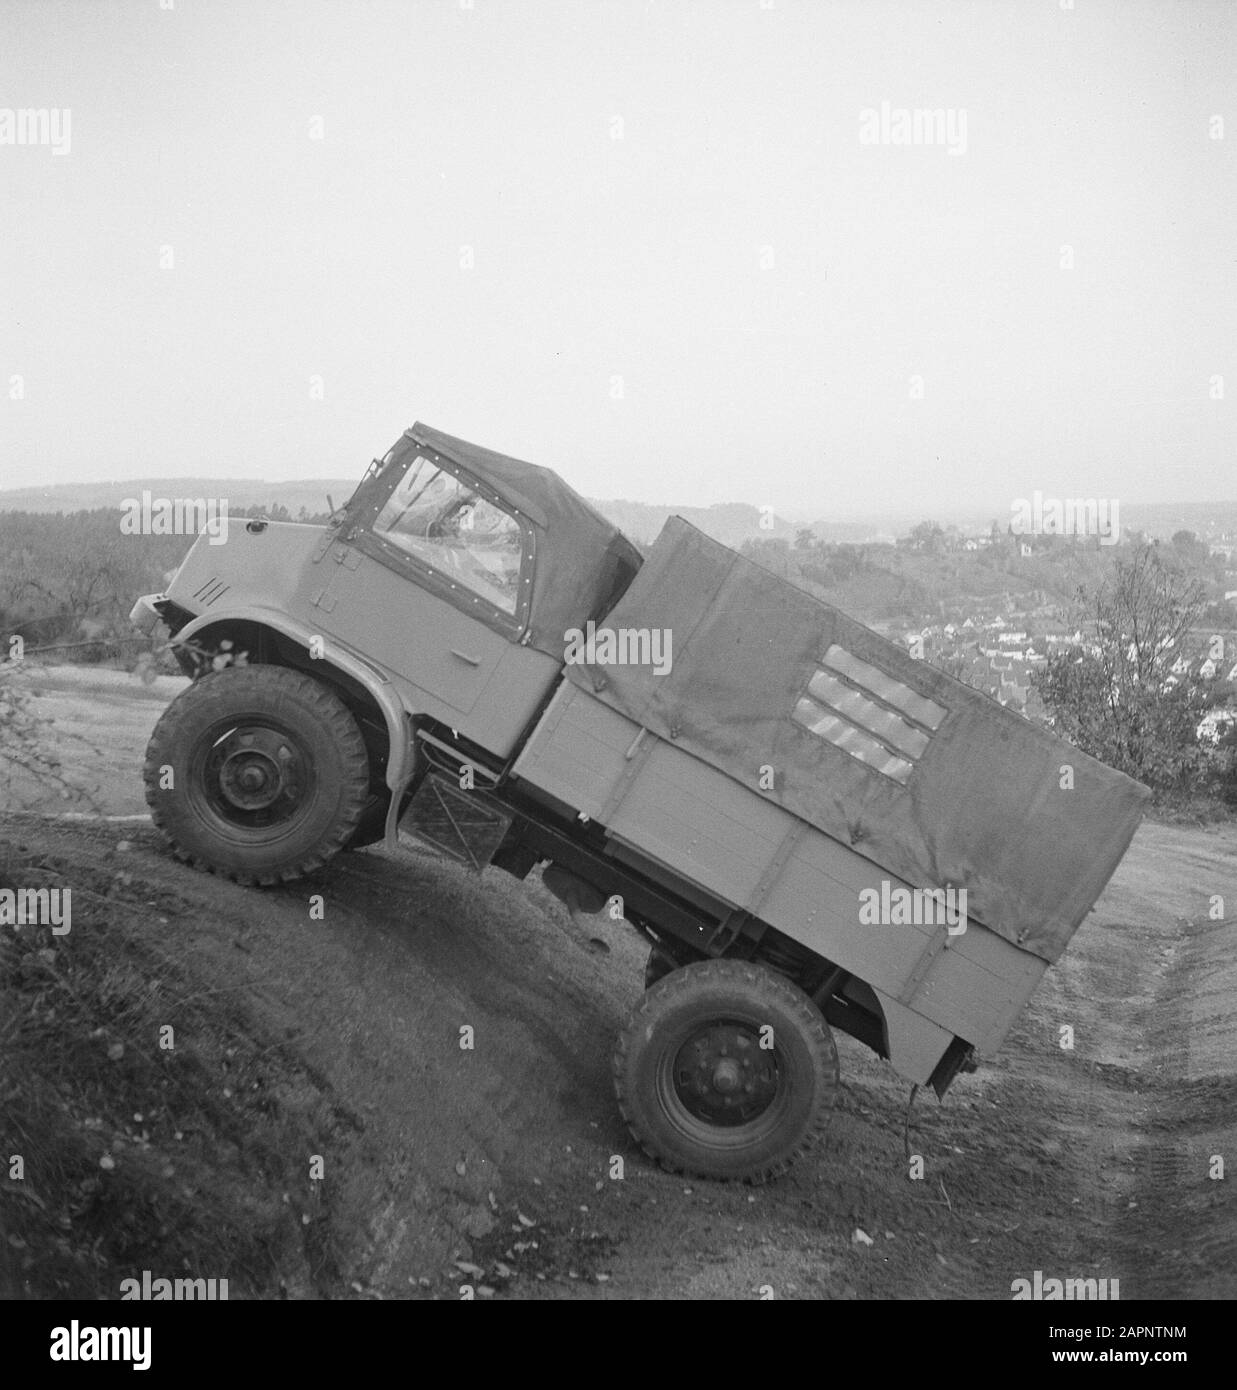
(660, 964)
(726, 1070)
(257, 772)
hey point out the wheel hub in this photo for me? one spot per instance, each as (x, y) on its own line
(250, 780)
(726, 1076)
(255, 775)
(723, 1077)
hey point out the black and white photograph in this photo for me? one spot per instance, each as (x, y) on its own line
(618, 663)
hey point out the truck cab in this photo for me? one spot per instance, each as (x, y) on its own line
(437, 595)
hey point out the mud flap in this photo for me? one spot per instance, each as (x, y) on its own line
(465, 825)
(915, 1043)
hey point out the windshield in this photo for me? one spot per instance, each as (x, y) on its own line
(440, 520)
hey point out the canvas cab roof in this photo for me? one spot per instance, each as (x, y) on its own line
(581, 561)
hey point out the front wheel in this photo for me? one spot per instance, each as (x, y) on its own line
(257, 772)
(726, 1070)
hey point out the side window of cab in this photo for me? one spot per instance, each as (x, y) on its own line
(443, 522)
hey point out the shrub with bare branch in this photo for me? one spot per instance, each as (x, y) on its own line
(1118, 698)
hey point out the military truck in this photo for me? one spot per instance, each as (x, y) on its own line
(813, 830)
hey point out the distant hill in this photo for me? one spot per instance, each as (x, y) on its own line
(729, 522)
(309, 493)
(1163, 519)
(862, 532)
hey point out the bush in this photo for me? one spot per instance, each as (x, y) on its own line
(26, 760)
(1119, 699)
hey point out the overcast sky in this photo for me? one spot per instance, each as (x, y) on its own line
(656, 246)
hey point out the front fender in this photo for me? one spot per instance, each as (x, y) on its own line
(334, 654)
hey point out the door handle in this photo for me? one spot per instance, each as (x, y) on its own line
(463, 656)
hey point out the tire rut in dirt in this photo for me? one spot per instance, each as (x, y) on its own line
(1176, 1234)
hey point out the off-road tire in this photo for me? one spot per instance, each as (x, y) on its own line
(292, 734)
(671, 1043)
(372, 827)
(659, 965)
(372, 822)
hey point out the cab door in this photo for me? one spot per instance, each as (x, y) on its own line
(432, 583)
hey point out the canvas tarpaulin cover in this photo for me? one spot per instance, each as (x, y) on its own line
(580, 556)
(934, 782)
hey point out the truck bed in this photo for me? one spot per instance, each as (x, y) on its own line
(664, 809)
(786, 759)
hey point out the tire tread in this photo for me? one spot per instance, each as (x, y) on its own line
(171, 730)
(690, 978)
